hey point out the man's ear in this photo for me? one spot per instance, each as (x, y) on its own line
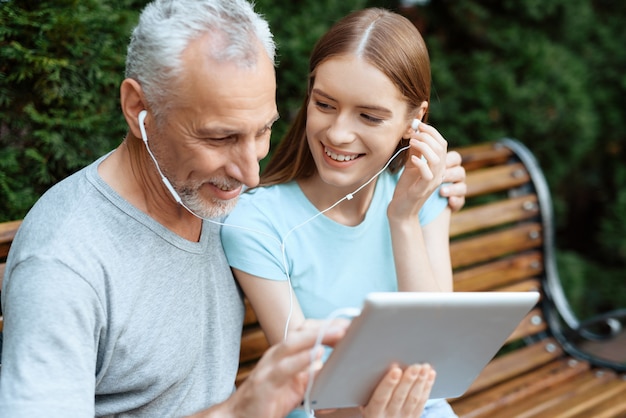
(132, 102)
(419, 115)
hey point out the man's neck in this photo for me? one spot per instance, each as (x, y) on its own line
(128, 171)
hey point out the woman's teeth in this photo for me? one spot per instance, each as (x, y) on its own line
(340, 157)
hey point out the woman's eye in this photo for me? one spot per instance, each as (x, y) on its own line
(371, 118)
(323, 106)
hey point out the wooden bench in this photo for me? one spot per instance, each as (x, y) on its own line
(7, 232)
(503, 240)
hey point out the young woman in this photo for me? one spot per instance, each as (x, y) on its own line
(349, 203)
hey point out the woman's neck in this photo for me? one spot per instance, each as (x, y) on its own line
(349, 212)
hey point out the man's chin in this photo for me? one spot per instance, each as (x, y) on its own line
(213, 210)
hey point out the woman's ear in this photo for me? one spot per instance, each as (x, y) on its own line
(419, 115)
(132, 102)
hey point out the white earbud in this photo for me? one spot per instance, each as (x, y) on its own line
(141, 118)
(415, 124)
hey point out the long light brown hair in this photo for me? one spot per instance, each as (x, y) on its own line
(386, 40)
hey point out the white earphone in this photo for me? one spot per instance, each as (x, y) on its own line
(141, 118)
(415, 124)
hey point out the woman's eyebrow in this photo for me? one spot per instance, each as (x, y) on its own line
(376, 108)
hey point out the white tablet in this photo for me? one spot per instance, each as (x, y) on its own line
(457, 333)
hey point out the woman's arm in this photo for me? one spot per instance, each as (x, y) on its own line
(270, 301)
(421, 254)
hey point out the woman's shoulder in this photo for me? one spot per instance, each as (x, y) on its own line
(264, 204)
(270, 195)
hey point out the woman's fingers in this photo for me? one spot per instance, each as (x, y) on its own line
(401, 393)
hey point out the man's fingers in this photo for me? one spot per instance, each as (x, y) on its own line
(456, 203)
(453, 158)
(455, 174)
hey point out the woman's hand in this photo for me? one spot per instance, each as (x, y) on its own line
(423, 173)
(401, 393)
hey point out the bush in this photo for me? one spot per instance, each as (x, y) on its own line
(61, 63)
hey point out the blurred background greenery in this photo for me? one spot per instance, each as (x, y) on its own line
(551, 73)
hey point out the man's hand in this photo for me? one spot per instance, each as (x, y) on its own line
(278, 382)
(455, 174)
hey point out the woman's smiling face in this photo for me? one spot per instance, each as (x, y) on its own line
(355, 118)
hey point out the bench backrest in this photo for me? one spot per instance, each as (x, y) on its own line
(7, 232)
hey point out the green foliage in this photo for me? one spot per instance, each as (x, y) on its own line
(61, 63)
(613, 225)
(590, 287)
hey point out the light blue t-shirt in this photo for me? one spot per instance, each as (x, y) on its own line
(331, 265)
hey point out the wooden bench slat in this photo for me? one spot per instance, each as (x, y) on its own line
(524, 286)
(498, 273)
(569, 398)
(495, 179)
(469, 251)
(500, 397)
(483, 155)
(249, 317)
(576, 397)
(244, 371)
(494, 214)
(532, 324)
(539, 404)
(253, 344)
(7, 232)
(608, 408)
(516, 363)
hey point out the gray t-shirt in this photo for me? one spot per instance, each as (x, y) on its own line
(108, 313)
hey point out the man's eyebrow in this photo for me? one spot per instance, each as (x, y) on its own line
(271, 122)
(217, 131)
(224, 132)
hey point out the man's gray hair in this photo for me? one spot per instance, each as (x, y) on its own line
(166, 27)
